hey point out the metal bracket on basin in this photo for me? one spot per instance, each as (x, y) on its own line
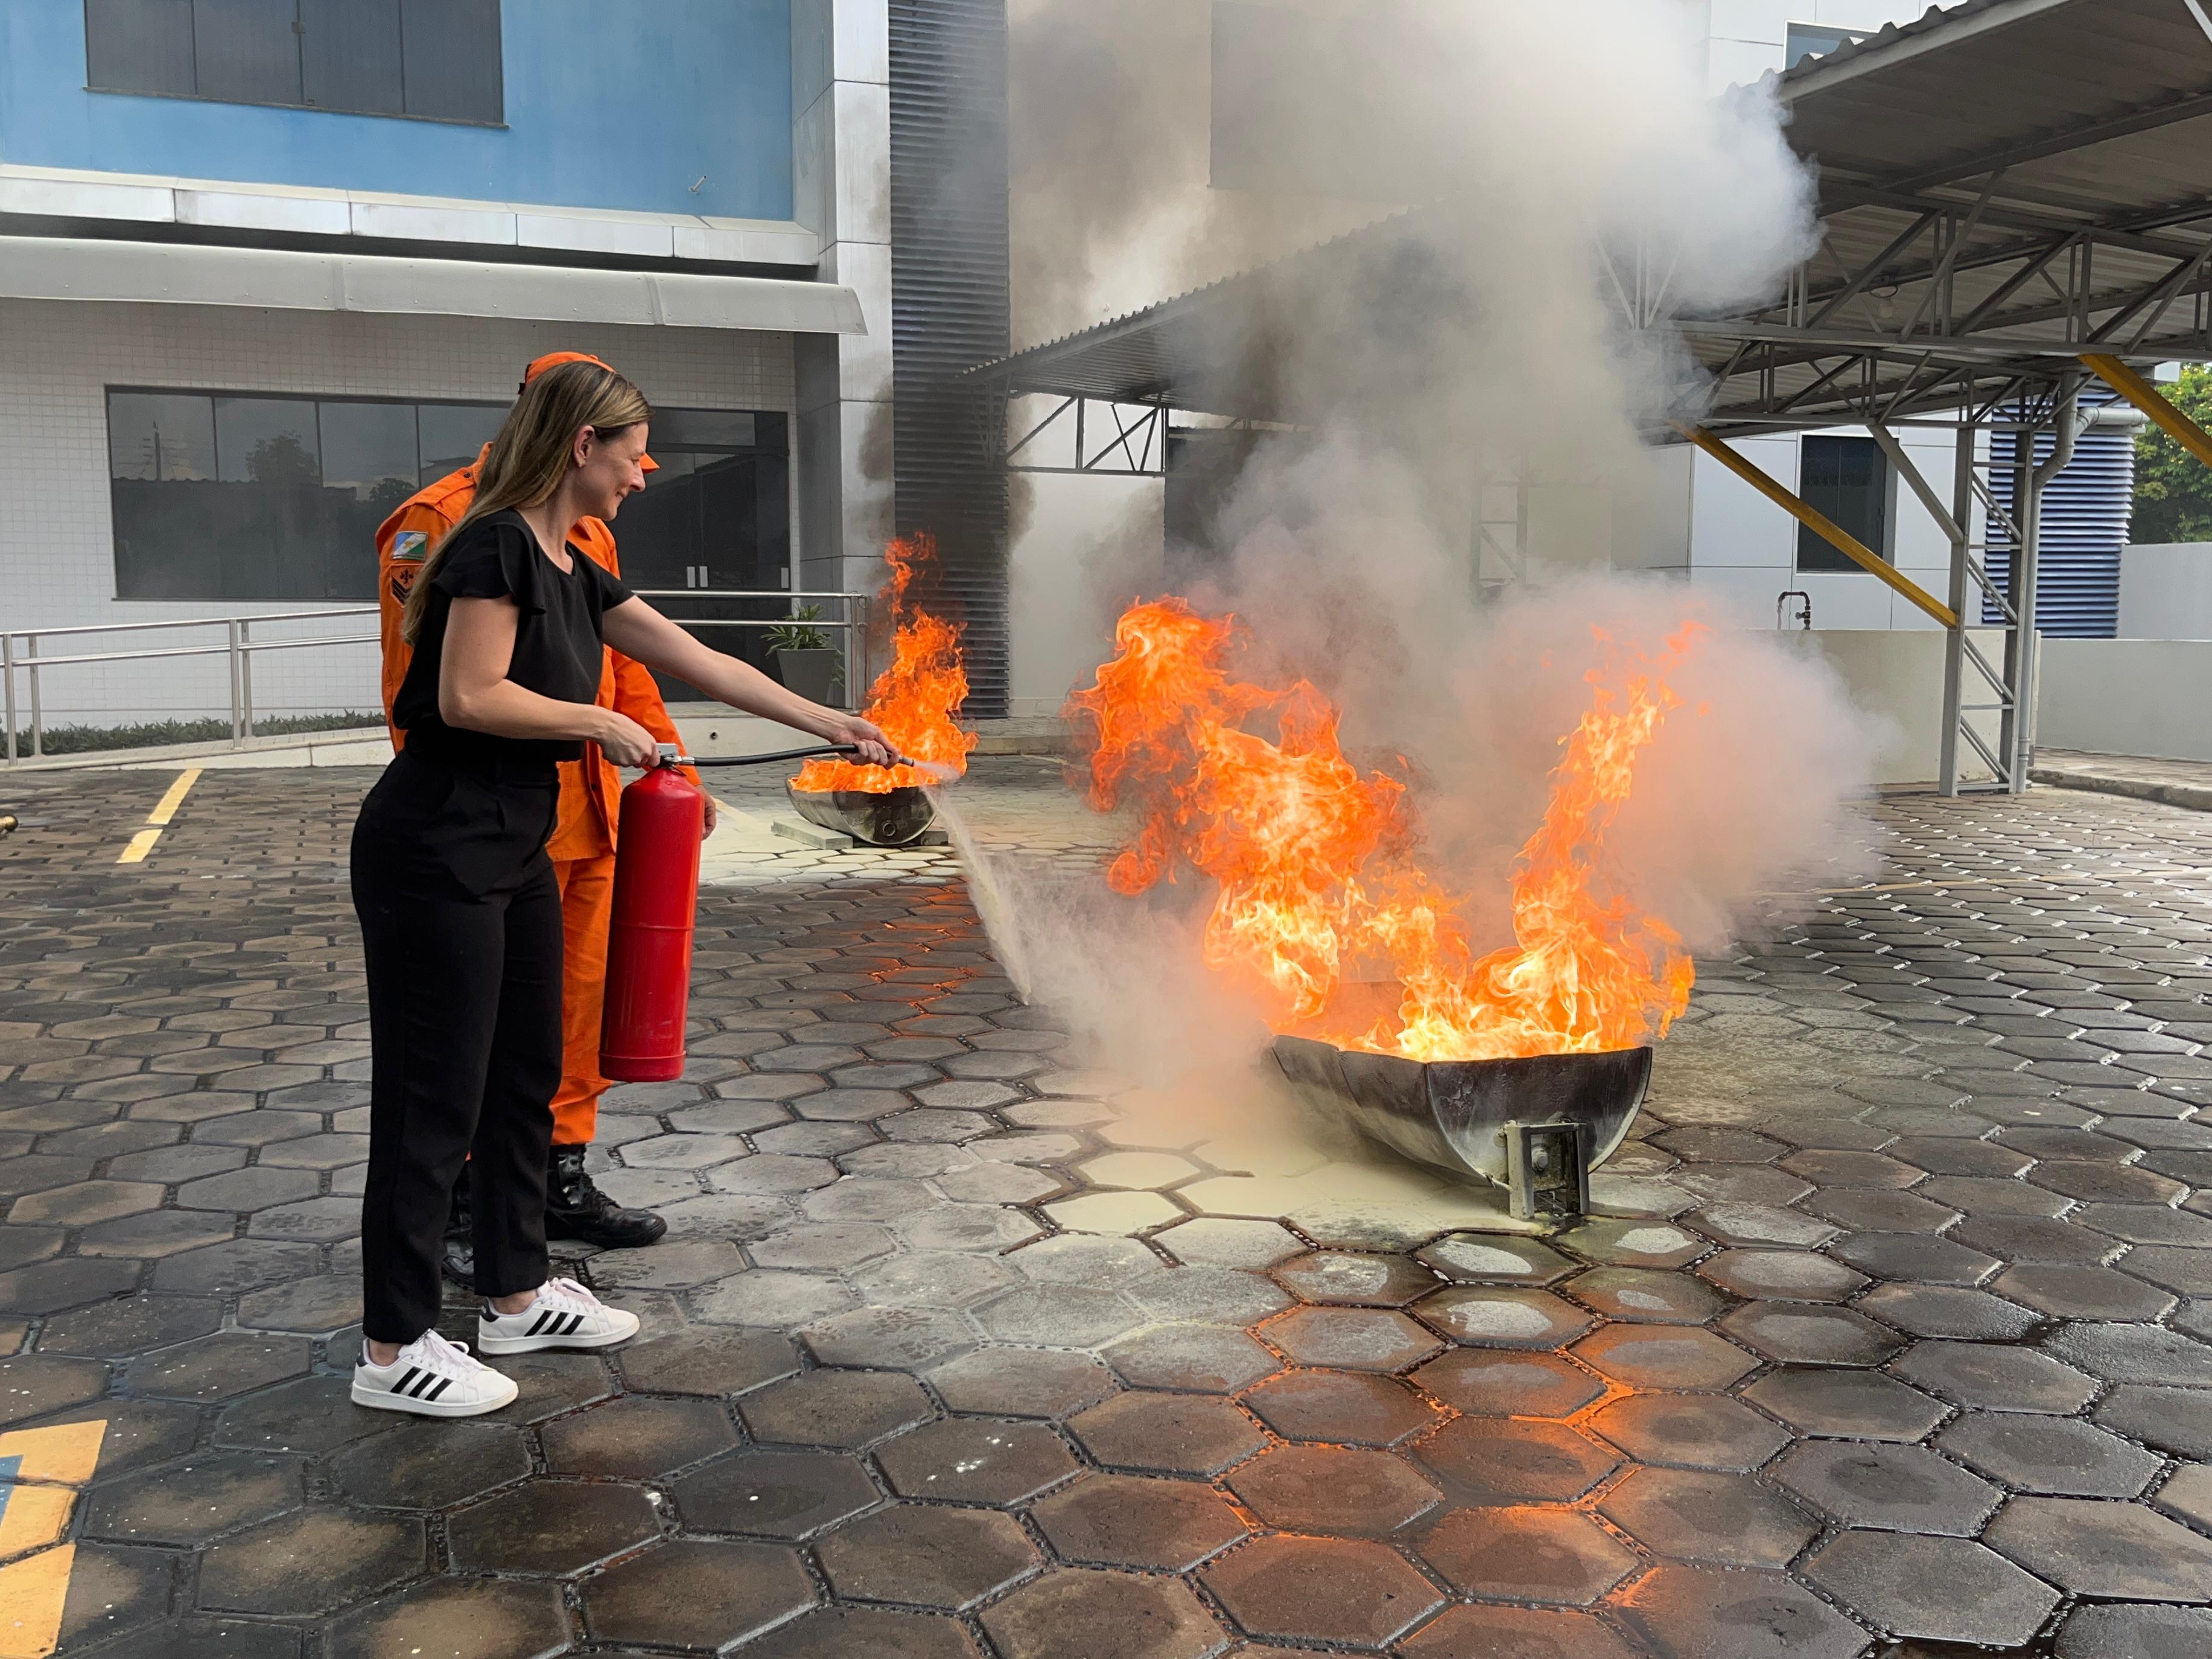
(1547, 1169)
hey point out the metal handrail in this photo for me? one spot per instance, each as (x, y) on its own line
(239, 646)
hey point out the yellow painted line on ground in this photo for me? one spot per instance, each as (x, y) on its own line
(41, 1470)
(164, 810)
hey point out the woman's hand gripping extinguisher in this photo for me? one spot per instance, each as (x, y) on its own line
(649, 997)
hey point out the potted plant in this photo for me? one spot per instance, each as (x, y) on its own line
(805, 659)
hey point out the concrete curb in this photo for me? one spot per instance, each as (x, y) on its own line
(2192, 798)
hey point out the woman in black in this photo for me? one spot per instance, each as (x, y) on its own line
(459, 909)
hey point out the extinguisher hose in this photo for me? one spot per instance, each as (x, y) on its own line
(668, 759)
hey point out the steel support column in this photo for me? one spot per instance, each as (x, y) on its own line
(1954, 637)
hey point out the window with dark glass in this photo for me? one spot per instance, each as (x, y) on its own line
(223, 495)
(435, 59)
(1848, 479)
(1804, 40)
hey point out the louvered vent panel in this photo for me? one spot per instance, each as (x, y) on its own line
(948, 308)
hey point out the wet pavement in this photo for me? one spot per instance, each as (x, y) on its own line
(1888, 1338)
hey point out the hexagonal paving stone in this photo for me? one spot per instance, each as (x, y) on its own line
(1351, 1278)
(1199, 1358)
(1495, 1317)
(1848, 1404)
(1812, 1336)
(926, 1554)
(1360, 1594)
(1115, 1212)
(131, 1325)
(2134, 1353)
(1022, 1382)
(707, 1361)
(1866, 1210)
(834, 1632)
(835, 1409)
(968, 1461)
(1172, 1434)
(889, 1339)
(488, 1617)
(1664, 1357)
(2049, 1456)
(1634, 1243)
(1352, 1409)
(1328, 1489)
(431, 1463)
(1945, 1589)
(637, 1438)
(1642, 1296)
(697, 1593)
(46, 1287)
(1695, 1515)
(1487, 1461)
(2122, 1633)
(1487, 1384)
(1121, 1617)
(1211, 1242)
(552, 1527)
(1137, 1170)
(310, 1562)
(2123, 1552)
(2083, 1293)
(789, 1495)
(1216, 1296)
(1355, 1338)
(1900, 1488)
(218, 1367)
(1132, 1521)
(1756, 1224)
(1996, 1379)
(2189, 1495)
(1528, 1555)
(1689, 1431)
(1070, 1315)
(1781, 1275)
(1948, 1311)
(1915, 1257)
(1485, 1630)
(1707, 1612)
(193, 1503)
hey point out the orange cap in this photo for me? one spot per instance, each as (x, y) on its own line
(554, 360)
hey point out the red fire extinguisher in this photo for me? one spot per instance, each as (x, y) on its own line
(649, 938)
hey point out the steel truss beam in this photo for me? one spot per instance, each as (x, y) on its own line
(1131, 448)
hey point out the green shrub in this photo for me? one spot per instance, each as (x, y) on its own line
(147, 734)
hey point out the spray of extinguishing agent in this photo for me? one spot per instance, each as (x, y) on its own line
(663, 820)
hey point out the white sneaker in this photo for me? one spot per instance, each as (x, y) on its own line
(432, 1378)
(565, 1315)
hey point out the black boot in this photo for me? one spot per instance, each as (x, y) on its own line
(575, 1208)
(460, 1260)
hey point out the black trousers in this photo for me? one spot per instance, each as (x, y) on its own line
(461, 918)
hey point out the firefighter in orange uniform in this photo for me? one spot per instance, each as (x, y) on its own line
(583, 853)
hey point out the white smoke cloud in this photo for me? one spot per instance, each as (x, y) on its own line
(1559, 162)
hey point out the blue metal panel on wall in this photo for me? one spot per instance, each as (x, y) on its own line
(2085, 524)
(681, 107)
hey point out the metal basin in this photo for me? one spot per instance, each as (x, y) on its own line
(895, 817)
(1450, 1112)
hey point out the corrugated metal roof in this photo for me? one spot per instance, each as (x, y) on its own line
(2080, 120)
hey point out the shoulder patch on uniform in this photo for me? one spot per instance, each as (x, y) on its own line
(411, 544)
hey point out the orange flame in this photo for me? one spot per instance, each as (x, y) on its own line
(915, 698)
(1319, 884)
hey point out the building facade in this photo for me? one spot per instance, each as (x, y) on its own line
(267, 267)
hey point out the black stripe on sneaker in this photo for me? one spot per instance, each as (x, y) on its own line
(443, 1383)
(401, 1387)
(418, 1391)
(539, 1324)
(571, 1324)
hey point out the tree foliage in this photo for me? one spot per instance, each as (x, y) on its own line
(2173, 489)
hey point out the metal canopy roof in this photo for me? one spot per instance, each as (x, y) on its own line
(2005, 184)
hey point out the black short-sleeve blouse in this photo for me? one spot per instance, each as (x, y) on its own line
(558, 638)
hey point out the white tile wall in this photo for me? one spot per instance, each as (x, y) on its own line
(56, 561)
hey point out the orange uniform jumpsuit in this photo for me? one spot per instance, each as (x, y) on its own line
(583, 845)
